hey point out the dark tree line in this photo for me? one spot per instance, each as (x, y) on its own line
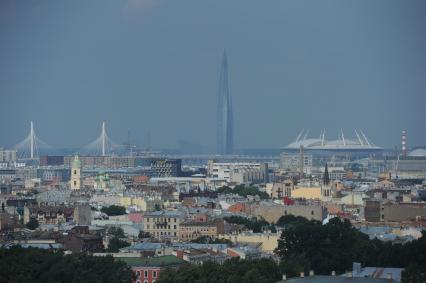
(244, 191)
(113, 210)
(232, 271)
(308, 245)
(36, 265)
(256, 225)
(335, 246)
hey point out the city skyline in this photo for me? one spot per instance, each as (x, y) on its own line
(148, 69)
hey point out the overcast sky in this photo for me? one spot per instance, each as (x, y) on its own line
(152, 66)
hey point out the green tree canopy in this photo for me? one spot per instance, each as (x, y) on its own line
(113, 210)
(32, 224)
(41, 266)
(244, 191)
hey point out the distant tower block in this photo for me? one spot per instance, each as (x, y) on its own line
(404, 143)
(76, 180)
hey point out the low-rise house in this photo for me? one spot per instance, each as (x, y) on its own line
(147, 270)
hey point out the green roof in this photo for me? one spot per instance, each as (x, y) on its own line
(158, 261)
(76, 163)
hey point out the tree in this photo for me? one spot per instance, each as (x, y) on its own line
(117, 232)
(143, 235)
(290, 219)
(32, 224)
(231, 271)
(209, 240)
(253, 224)
(244, 191)
(114, 210)
(19, 264)
(115, 244)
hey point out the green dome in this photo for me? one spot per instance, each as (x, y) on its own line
(76, 163)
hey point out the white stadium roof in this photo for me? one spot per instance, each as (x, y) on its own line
(359, 143)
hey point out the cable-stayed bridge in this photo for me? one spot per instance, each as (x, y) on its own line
(32, 146)
(101, 146)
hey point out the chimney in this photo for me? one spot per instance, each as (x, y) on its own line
(333, 273)
(311, 273)
(284, 277)
(389, 276)
(302, 274)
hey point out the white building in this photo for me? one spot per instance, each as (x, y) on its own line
(238, 172)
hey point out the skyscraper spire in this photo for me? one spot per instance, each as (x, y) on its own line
(225, 131)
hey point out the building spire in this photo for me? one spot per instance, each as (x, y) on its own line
(225, 131)
(326, 178)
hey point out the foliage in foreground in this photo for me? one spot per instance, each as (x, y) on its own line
(232, 271)
(36, 265)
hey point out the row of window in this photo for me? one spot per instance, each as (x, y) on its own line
(160, 219)
(145, 274)
(160, 226)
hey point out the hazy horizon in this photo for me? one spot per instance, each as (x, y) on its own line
(152, 67)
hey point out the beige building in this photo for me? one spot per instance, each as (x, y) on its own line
(143, 203)
(163, 225)
(273, 212)
(268, 242)
(192, 230)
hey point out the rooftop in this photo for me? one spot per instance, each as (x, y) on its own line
(160, 261)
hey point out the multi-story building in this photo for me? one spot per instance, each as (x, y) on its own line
(166, 167)
(163, 224)
(48, 214)
(192, 230)
(7, 155)
(238, 172)
(292, 162)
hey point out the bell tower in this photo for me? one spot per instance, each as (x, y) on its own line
(326, 188)
(76, 181)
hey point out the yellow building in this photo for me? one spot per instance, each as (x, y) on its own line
(307, 192)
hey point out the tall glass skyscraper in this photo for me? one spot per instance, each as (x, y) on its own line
(225, 130)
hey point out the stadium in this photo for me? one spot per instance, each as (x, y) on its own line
(358, 147)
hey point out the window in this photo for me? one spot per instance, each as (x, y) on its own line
(75, 183)
(174, 219)
(75, 172)
(154, 274)
(174, 226)
(285, 212)
(146, 273)
(312, 212)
